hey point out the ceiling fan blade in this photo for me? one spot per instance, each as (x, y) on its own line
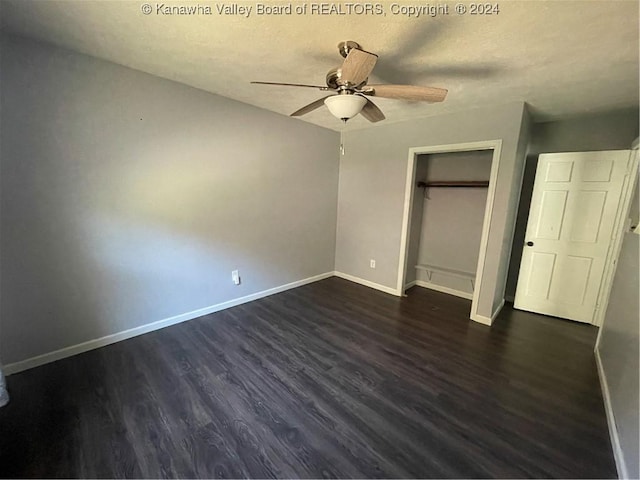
(291, 85)
(309, 108)
(407, 92)
(357, 66)
(371, 112)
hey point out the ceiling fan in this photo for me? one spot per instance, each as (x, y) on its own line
(349, 82)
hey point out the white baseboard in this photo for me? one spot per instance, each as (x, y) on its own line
(367, 283)
(150, 327)
(440, 288)
(618, 455)
(410, 284)
(481, 319)
(488, 320)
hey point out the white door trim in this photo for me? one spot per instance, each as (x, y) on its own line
(496, 146)
(617, 238)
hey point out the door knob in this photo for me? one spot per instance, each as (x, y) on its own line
(529, 244)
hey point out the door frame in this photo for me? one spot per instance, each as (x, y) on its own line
(414, 152)
(624, 204)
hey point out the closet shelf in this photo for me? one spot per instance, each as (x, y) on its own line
(454, 184)
(431, 269)
(450, 271)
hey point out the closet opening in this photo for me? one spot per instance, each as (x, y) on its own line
(448, 204)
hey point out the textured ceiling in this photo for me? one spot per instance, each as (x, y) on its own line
(562, 57)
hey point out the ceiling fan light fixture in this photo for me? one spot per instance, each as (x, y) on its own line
(349, 82)
(345, 107)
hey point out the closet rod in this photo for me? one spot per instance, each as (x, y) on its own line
(453, 184)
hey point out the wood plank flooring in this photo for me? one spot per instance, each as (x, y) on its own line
(328, 380)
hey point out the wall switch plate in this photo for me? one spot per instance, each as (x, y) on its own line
(235, 276)
(372, 263)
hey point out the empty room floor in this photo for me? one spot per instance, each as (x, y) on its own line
(332, 379)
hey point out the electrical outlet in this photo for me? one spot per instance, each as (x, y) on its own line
(235, 276)
(372, 263)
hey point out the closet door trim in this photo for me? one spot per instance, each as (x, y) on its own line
(496, 146)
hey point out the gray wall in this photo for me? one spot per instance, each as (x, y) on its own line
(606, 131)
(372, 182)
(128, 199)
(619, 351)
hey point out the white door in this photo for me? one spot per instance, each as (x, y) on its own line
(573, 209)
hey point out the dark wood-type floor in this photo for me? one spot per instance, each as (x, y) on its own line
(328, 380)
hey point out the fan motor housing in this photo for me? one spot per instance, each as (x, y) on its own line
(334, 80)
